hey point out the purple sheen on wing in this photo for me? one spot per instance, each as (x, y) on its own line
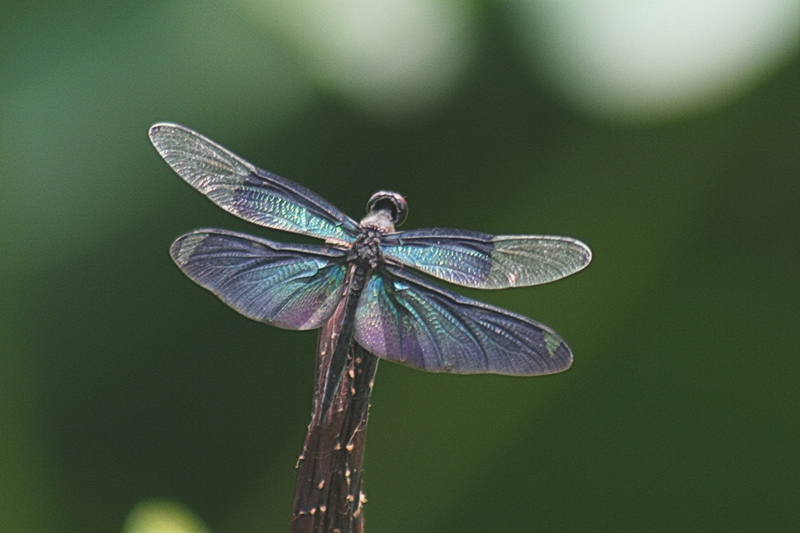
(292, 287)
(408, 320)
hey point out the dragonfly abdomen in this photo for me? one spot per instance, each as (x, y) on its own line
(354, 285)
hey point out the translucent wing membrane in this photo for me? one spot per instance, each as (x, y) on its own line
(404, 318)
(289, 286)
(486, 261)
(247, 191)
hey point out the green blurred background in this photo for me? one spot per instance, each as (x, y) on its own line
(665, 135)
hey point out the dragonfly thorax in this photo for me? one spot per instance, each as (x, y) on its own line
(385, 210)
(366, 249)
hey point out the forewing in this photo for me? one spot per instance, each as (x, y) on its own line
(246, 191)
(487, 261)
(289, 286)
(404, 318)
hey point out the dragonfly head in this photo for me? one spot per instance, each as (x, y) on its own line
(386, 210)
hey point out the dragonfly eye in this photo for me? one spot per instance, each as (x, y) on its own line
(392, 202)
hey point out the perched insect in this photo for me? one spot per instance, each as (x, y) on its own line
(362, 272)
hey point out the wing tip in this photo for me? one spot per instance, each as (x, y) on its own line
(184, 247)
(566, 359)
(560, 354)
(160, 131)
(587, 253)
(155, 129)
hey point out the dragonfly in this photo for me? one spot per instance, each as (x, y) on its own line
(366, 272)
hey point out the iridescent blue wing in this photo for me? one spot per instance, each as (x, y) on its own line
(289, 286)
(246, 191)
(487, 261)
(406, 319)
